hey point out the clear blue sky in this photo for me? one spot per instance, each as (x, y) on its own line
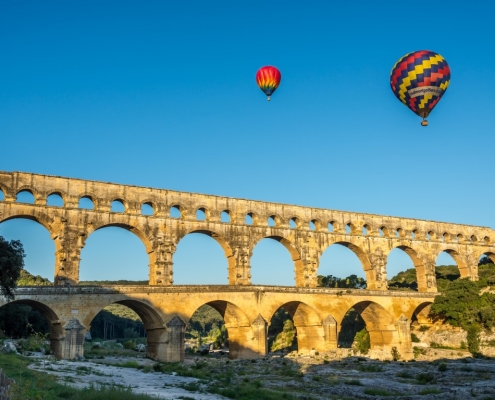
(162, 94)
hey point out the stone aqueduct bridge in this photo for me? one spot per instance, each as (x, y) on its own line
(165, 308)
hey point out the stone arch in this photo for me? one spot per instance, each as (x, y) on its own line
(360, 254)
(425, 269)
(153, 323)
(460, 261)
(7, 192)
(57, 333)
(379, 324)
(294, 254)
(490, 255)
(308, 324)
(203, 209)
(33, 215)
(227, 249)
(58, 192)
(27, 189)
(133, 229)
(238, 326)
(420, 314)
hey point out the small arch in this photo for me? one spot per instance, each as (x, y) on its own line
(117, 206)
(25, 196)
(225, 217)
(331, 226)
(315, 225)
(251, 218)
(414, 234)
(459, 238)
(383, 231)
(201, 214)
(86, 203)
(273, 220)
(348, 228)
(365, 229)
(294, 223)
(147, 209)
(446, 237)
(399, 233)
(474, 239)
(487, 241)
(175, 211)
(430, 235)
(55, 199)
(2, 195)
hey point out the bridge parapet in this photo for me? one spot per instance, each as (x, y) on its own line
(371, 237)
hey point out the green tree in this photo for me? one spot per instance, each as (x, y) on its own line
(350, 282)
(11, 264)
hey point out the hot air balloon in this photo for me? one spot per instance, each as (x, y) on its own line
(419, 80)
(268, 79)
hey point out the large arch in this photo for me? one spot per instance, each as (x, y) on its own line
(238, 328)
(379, 324)
(126, 260)
(152, 321)
(57, 333)
(294, 255)
(458, 259)
(349, 253)
(308, 324)
(203, 246)
(422, 270)
(37, 240)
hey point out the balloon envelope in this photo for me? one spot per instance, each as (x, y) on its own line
(268, 79)
(419, 80)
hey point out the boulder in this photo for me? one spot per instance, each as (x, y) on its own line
(140, 347)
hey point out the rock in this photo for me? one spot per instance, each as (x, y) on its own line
(9, 347)
(140, 347)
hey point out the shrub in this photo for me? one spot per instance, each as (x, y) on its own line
(362, 339)
(395, 354)
(442, 367)
(130, 345)
(423, 328)
(425, 377)
(378, 392)
(414, 338)
(473, 339)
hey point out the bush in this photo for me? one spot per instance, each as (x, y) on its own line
(425, 377)
(130, 345)
(442, 367)
(362, 339)
(473, 339)
(395, 354)
(414, 338)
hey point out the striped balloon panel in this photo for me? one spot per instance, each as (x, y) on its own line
(419, 80)
(268, 79)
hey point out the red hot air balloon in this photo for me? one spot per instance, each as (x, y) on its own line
(419, 80)
(268, 79)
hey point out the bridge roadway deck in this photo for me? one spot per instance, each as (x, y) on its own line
(247, 310)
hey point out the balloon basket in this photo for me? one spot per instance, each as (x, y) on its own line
(268, 98)
(424, 123)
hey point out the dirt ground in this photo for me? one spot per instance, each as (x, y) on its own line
(304, 377)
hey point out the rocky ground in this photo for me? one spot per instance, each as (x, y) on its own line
(453, 375)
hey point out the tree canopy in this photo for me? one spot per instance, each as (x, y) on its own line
(350, 282)
(11, 264)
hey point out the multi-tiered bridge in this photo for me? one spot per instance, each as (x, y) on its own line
(237, 225)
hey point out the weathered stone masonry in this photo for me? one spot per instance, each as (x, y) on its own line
(247, 310)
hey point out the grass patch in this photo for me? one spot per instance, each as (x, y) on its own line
(35, 385)
(424, 378)
(250, 391)
(378, 392)
(430, 391)
(354, 382)
(370, 368)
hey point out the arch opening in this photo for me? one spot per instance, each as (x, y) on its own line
(86, 203)
(342, 266)
(293, 223)
(447, 268)
(295, 326)
(115, 254)
(25, 196)
(38, 246)
(117, 206)
(2, 195)
(249, 219)
(147, 209)
(272, 260)
(175, 212)
(203, 258)
(225, 217)
(55, 200)
(206, 331)
(377, 333)
(486, 267)
(401, 272)
(201, 214)
(331, 226)
(25, 318)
